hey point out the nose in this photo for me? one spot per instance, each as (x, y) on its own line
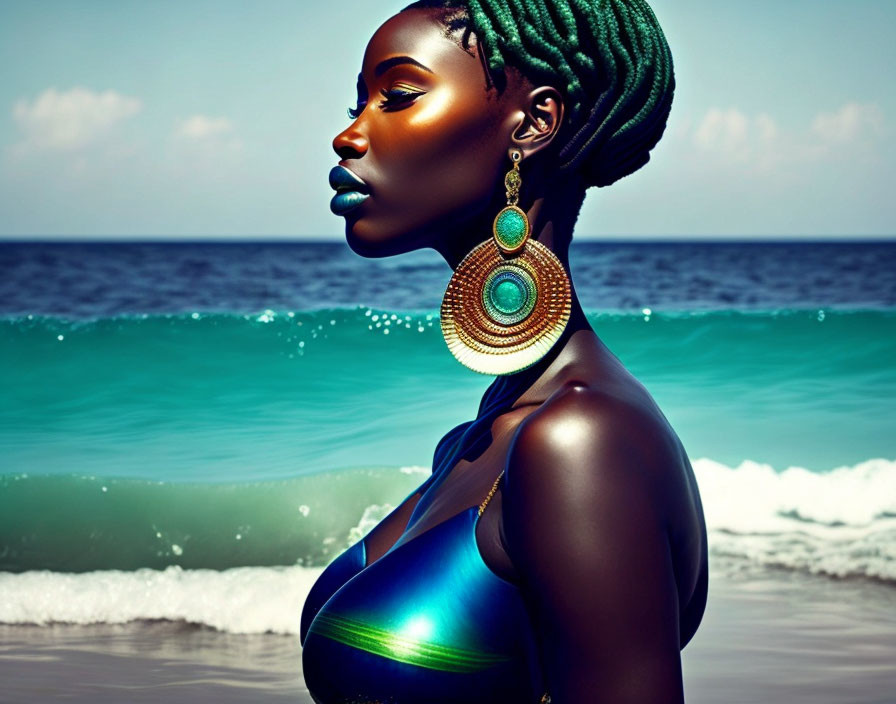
(351, 143)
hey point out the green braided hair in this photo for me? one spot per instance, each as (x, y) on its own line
(609, 58)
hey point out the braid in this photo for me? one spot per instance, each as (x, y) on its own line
(609, 58)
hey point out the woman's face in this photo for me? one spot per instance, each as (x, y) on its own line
(430, 142)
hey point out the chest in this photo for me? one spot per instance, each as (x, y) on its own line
(429, 620)
(467, 481)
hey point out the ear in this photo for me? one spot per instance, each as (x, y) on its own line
(540, 121)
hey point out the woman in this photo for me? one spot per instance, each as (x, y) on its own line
(558, 551)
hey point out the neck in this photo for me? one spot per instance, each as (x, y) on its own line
(553, 216)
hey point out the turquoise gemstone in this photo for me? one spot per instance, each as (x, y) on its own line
(511, 227)
(508, 296)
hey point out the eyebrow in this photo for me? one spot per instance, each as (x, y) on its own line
(386, 64)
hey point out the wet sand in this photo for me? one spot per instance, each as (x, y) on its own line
(774, 636)
(780, 636)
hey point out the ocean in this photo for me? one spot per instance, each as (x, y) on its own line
(189, 432)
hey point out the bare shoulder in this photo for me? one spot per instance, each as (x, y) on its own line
(586, 523)
(584, 440)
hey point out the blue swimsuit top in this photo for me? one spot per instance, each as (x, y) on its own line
(428, 622)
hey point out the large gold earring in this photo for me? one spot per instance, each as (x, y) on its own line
(509, 300)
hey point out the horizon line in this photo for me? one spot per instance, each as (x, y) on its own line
(267, 239)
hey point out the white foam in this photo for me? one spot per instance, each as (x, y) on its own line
(415, 469)
(372, 515)
(841, 523)
(240, 600)
(755, 497)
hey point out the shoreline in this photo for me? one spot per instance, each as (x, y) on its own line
(767, 635)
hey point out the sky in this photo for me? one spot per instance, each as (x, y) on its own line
(172, 120)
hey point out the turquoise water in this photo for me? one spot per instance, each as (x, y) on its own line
(220, 440)
(191, 431)
(278, 395)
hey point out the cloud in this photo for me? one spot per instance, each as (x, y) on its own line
(206, 145)
(721, 126)
(70, 120)
(729, 137)
(848, 123)
(203, 127)
(734, 136)
(767, 128)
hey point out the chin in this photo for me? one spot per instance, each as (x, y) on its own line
(361, 241)
(373, 243)
(364, 248)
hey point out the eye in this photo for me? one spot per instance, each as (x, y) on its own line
(393, 98)
(355, 112)
(396, 97)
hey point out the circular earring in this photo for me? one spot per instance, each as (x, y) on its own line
(509, 300)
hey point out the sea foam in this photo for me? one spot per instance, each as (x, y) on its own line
(841, 523)
(238, 600)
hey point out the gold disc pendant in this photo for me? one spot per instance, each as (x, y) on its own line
(501, 315)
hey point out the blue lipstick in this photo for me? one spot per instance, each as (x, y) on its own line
(351, 191)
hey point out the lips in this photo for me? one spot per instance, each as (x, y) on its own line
(351, 191)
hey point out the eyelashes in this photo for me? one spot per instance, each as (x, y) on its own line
(355, 113)
(393, 98)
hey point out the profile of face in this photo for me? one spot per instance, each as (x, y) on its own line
(430, 140)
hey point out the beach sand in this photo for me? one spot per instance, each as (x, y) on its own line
(767, 636)
(780, 636)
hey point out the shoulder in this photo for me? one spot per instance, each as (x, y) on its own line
(583, 441)
(586, 527)
(596, 467)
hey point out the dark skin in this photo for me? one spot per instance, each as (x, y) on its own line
(598, 520)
